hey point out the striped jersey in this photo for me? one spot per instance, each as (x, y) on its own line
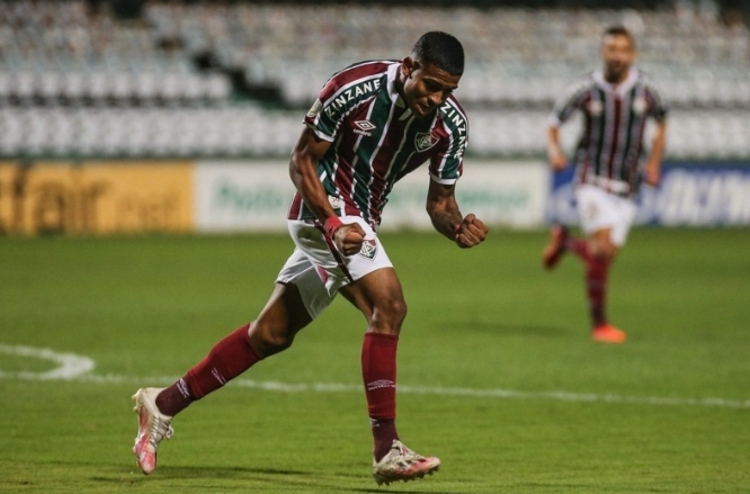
(376, 140)
(610, 148)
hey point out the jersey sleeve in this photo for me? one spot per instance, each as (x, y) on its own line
(657, 107)
(447, 165)
(322, 118)
(570, 101)
(343, 91)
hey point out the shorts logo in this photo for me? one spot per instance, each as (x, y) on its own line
(369, 249)
(424, 141)
(365, 127)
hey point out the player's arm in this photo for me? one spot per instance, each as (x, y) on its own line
(555, 154)
(652, 172)
(302, 168)
(447, 218)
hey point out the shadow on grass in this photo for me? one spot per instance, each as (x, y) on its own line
(509, 329)
(275, 479)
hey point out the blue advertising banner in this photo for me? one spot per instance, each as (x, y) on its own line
(690, 194)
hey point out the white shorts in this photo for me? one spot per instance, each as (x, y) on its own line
(319, 270)
(599, 209)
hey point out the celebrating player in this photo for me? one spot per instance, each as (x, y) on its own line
(373, 123)
(616, 102)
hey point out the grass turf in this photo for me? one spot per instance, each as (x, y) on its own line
(488, 319)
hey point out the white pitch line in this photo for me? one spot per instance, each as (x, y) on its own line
(70, 366)
(76, 367)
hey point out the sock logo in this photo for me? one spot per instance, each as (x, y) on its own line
(182, 387)
(218, 376)
(380, 384)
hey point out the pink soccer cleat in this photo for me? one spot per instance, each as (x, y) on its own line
(153, 426)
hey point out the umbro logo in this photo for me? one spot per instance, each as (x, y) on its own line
(380, 384)
(364, 127)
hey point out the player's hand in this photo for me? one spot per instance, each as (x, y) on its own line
(652, 176)
(349, 238)
(558, 160)
(470, 232)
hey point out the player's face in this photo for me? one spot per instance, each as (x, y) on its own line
(425, 87)
(618, 54)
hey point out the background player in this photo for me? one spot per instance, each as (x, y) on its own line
(373, 123)
(616, 102)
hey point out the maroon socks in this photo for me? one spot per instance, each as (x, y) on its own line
(379, 374)
(596, 288)
(597, 269)
(229, 358)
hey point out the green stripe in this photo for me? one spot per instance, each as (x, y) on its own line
(367, 147)
(631, 116)
(602, 126)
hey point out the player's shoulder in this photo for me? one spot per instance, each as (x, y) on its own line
(645, 79)
(581, 83)
(364, 70)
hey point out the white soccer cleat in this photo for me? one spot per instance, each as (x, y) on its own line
(401, 463)
(153, 426)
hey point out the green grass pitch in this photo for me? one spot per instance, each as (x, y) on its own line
(497, 374)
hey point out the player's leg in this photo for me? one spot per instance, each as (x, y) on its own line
(556, 247)
(379, 297)
(273, 331)
(368, 281)
(606, 219)
(601, 253)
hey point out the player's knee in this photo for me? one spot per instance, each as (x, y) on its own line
(389, 314)
(269, 339)
(603, 249)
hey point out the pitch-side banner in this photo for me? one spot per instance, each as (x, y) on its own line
(247, 196)
(95, 197)
(690, 194)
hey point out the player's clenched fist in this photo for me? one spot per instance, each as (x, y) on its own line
(349, 239)
(470, 232)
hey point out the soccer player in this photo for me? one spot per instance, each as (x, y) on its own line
(616, 103)
(373, 123)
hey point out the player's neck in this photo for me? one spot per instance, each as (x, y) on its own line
(616, 79)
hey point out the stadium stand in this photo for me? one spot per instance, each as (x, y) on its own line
(233, 79)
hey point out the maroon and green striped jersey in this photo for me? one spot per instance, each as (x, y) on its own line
(611, 145)
(376, 140)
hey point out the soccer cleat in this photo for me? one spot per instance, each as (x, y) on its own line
(401, 463)
(153, 426)
(606, 333)
(556, 246)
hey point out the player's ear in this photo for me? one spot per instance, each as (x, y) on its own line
(408, 66)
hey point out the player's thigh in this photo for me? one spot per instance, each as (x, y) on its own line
(605, 217)
(307, 293)
(380, 297)
(626, 212)
(596, 209)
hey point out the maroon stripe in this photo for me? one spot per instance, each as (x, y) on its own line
(295, 210)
